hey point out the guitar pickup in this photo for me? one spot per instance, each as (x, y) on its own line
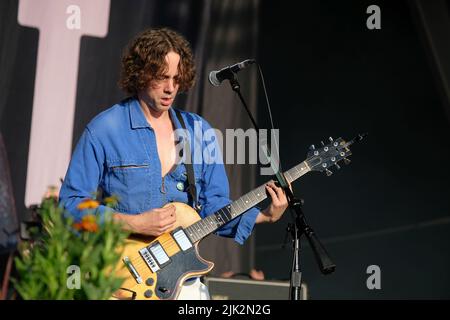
(182, 239)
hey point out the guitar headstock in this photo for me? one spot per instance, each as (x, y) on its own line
(325, 157)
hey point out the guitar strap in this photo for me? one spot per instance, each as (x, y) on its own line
(192, 190)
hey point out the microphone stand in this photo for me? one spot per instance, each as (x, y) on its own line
(300, 226)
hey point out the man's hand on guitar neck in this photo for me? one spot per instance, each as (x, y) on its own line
(277, 207)
(152, 223)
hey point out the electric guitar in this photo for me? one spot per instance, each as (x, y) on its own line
(155, 268)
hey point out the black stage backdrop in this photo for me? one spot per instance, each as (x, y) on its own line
(331, 76)
(327, 74)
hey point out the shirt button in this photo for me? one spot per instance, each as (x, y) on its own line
(180, 186)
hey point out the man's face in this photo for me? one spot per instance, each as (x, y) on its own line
(162, 91)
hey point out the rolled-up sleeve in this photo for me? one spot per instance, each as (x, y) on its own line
(215, 195)
(83, 176)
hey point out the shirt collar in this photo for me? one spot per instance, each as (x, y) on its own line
(138, 119)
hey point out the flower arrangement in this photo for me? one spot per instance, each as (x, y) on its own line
(71, 260)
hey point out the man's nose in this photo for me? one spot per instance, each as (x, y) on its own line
(170, 86)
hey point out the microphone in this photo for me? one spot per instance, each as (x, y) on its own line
(216, 77)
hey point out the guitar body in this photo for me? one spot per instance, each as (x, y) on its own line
(173, 264)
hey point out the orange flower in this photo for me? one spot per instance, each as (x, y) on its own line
(88, 204)
(88, 223)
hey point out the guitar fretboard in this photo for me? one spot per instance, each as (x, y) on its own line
(208, 225)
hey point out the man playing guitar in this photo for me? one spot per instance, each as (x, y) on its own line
(129, 150)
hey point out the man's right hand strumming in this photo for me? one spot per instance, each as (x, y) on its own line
(151, 223)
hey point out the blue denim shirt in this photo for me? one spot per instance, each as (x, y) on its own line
(117, 152)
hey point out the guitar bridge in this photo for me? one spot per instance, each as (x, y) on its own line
(155, 256)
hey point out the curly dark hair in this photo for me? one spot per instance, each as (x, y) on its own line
(143, 60)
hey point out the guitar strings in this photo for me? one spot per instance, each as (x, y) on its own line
(170, 244)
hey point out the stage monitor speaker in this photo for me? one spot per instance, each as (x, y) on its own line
(246, 289)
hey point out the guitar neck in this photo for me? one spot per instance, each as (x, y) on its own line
(208, 225)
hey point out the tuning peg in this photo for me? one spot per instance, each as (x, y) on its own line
(337, 166)
(331, 139)
(328, 172)
(347, 161)
(312, 147)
